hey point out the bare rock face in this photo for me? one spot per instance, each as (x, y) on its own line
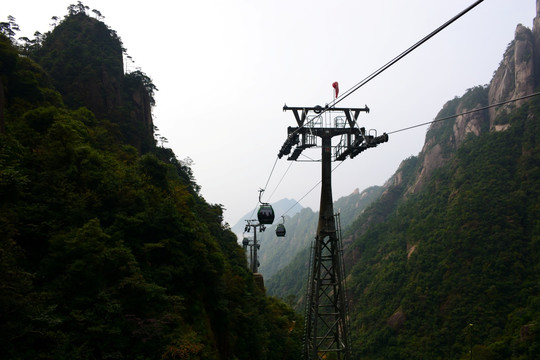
(466, 124)
(433, 155)
(142, 112)
(502, 84)
(515, 76)
(433, 159)
(536, 37)
(519, 72)
(524, 61)
(396, 321)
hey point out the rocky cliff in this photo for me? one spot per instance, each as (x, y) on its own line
(85, 60)
(517, 75)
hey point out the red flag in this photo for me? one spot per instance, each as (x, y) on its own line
(336, 87)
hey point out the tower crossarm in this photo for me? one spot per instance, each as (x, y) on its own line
(350, 113)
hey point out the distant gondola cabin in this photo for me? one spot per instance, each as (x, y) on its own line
(265, 215)
(280, 230)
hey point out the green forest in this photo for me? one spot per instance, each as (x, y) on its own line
(451, 271)
(107, 248)
(456, 266)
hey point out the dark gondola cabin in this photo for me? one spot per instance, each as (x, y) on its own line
(280, 230)
(265, 215)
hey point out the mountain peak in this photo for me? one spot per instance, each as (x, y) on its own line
(85, 60)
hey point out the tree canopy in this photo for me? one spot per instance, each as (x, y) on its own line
(108, 250)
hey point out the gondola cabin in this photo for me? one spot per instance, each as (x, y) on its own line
(280, 230)
(265, 215)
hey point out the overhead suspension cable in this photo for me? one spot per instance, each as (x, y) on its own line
(348, 92)
(262, 190)
(378, 72)
(403, 54)
(279, 183)
(465, 113)
(309, 191)
(400, 130)
(422, 124)
(271, 172)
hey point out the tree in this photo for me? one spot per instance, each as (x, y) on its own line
(55, 20)
(107, 253)
(79, 8)
(98, 14)
(146, 81)
(9, 28)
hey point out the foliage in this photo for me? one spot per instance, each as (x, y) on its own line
(442, 132)
(109, 253)
(462, 251)
(452, 268)
(77, 54)
(9, 28)
(139, 77)
(84, 59)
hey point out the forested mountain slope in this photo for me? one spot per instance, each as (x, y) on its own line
(447, 259)
(463, 250)
(107, 248)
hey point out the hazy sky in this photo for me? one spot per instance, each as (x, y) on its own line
(224, 70)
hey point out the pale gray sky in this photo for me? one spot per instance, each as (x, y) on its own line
(224, 70)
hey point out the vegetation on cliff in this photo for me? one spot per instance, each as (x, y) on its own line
(107, 248)
(455, 266)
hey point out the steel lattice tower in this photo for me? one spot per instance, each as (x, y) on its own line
(326, 333)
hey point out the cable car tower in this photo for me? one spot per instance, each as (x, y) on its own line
(326, 330)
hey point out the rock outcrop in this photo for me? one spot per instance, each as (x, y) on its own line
(517, 75)
(536, 39)
(85, 59)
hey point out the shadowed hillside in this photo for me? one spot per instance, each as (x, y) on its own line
(107, 248)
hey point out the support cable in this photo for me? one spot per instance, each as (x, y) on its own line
(375, 74)
(279, 183)
(403, 54)
(264, 189)
(465, 113)
(418, 125)
(309, 191)
(348, 92)
(271, 172)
